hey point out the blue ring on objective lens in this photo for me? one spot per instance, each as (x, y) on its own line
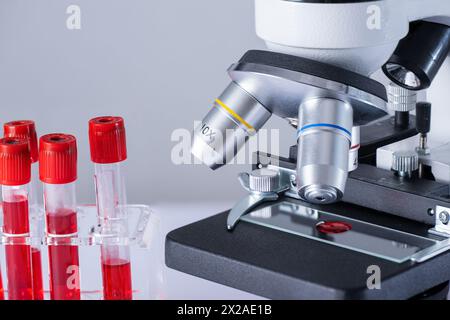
(328, 125)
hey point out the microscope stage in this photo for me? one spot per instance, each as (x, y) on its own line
(279, 264)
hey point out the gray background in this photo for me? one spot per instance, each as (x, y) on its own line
(159, 64)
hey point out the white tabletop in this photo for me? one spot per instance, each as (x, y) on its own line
(178, 285)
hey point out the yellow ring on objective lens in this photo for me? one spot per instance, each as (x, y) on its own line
(234, 114)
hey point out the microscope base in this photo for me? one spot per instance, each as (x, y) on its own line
(280, 265)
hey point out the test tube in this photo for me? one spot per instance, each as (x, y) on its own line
(26, 129)
(15, 175)
(108, 150)
(58, 172)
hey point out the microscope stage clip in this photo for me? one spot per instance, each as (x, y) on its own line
(263, 185)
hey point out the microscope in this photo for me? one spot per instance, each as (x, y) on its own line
(359, 208)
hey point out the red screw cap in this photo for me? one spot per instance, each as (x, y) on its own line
(15, 162)
(58, 158)
(107, 140)
(23, 129)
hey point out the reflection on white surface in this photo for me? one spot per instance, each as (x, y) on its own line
(175, 284)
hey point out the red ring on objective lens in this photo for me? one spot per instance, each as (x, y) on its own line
(333, 227)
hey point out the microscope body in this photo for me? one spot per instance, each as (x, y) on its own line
(316, 76)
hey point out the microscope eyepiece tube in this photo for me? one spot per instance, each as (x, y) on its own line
(235, 116)
(324, 139)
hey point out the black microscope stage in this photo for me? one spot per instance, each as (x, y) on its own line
(281, 265)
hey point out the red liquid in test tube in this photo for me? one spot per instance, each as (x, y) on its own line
(38, 285)
(15, 215)
(62, 222)
(63, 258)
(18, 256)
(58, 172)
(26, 130)
(15, 174)
(36, 260)
(117, 279)
(19, 272)
(2, 291)
(64, 265)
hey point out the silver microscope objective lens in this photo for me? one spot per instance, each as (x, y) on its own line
(324, 138)
(235, 116)
(321, 194)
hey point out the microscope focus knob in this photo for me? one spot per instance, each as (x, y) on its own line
(400, 99)
(405, 163)
(423, 117)
(264, 180)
